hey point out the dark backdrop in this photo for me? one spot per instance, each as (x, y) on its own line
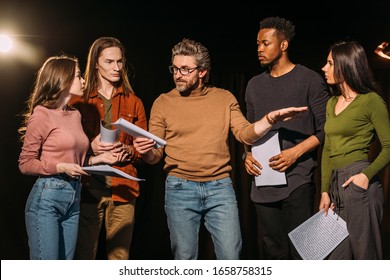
(149, 31)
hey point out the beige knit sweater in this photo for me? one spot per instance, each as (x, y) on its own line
(196, 128)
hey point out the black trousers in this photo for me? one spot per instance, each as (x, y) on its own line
(277, 219)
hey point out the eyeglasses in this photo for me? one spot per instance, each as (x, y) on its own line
(183, 71)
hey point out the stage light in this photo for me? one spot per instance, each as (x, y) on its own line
(16, 47)
(379, 50)
(5, 43)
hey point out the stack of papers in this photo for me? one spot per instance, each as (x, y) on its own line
(265, 148)
(111, 136)
(319, 235)
(136, 131)
(107, 170)
(108, 135)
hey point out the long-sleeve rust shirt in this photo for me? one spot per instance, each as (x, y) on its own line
(128, 107)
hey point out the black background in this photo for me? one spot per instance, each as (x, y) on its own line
(149, 30)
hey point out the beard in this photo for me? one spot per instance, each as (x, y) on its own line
(184, 86)
(264, 64)
(269, 63)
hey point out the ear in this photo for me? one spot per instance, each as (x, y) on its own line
(202, 73)
(284, 45)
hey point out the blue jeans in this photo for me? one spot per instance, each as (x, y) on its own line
(187, 203)
(52, 216)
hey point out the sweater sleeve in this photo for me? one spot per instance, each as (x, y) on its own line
(242, 130)
(379, 116)
(326, 169)
(38, 129)
(318, 96)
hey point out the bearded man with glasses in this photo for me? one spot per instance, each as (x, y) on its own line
(195, 120)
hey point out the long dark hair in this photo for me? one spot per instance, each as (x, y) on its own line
(351, 66)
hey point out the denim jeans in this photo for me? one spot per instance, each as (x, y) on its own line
(52, 216)
(188, 203)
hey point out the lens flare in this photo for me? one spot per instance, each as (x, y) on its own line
(5, 43)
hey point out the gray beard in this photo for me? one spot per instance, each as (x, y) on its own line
(186, 88)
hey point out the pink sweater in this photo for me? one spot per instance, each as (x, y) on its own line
(52, 137)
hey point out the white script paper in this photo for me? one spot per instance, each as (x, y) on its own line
(265, 148)
(136, 131)
(108, 135)
(107, 170)
(317, 237)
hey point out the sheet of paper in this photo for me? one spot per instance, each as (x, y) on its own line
(136, 131)
(262, 151)
(107, 170)
(108, 135)
(317, 237)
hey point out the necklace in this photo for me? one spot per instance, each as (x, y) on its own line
(348, 99)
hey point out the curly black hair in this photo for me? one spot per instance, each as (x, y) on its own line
(284, 28)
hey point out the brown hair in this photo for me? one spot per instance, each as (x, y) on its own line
(91, 75)
(54, 77)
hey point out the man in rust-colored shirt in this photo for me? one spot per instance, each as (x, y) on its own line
(108, 200)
